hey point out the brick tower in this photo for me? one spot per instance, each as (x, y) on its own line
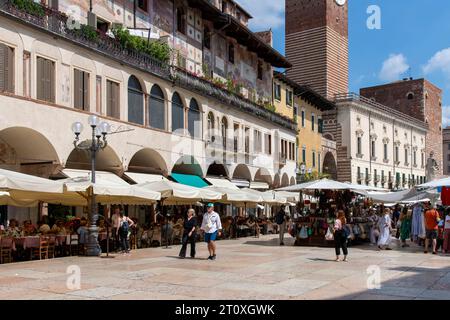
(418, 98)
(317, 44)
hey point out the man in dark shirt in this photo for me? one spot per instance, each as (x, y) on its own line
(190, 223)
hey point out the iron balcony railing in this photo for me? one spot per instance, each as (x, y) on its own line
(57, 24)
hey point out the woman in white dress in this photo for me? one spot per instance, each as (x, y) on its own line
(384, 225)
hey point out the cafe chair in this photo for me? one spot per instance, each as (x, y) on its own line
(51, 246)
(42, 250)
(6, 249)
(73, 244)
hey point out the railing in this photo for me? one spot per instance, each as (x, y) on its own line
(56, 23)
(360, 176)
(369, 177)
(377, 178)
(192, 82)
(353, 97)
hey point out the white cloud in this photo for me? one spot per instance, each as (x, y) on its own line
(393, 67)
(445, 116)
(266, 13)
(440, 61)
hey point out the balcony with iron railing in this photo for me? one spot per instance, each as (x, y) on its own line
(56, 23)
(360, 177)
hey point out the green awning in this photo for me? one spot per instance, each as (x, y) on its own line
(189, 180)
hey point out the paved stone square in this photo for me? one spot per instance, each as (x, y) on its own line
(246, 268)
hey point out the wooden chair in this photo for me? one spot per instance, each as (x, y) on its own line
(73, 244)
(51, 246)
(6, 249)
(42, 250)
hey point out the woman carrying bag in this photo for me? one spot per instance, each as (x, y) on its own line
(189, 234)
(340, 238)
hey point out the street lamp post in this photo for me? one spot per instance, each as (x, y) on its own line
(98, 142)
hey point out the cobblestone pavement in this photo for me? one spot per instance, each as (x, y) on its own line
(246, 268)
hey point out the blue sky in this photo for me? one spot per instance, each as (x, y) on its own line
(414, 40)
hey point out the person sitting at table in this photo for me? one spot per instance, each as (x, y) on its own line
(13, 229)
(58, 228)
(28, 229)
(43, 227)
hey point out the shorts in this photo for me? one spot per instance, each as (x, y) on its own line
(211, 236)
(431, 234)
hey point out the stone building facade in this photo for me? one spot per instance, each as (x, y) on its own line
(446, 150)
(420, 99)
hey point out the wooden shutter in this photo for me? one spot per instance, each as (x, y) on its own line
(77, 89)
(40, 78)
(112, 93)
(3, 67)
(51, 80)
(85, 91)
(10, 74)
(116, 100)
(108, 98)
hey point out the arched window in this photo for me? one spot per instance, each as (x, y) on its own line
(194, 121)
(210, 132)
(177, 112)
(135, 101)
(223, 130)
(410, 96)
(156, 108)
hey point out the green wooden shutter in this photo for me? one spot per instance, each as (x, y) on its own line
(76, 89)
(108, 98)
(10, 73)
(40, 78)
(85, 91)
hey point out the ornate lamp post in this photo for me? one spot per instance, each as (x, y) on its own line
(97, 143)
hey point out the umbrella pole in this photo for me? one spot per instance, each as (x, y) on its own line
(167, 227)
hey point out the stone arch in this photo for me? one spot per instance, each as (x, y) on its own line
(329, 165)
(188, 165)
(276, 181)
(293, 181)
(285, 180)
(28, 151)
(148, 161)
(217, 169)
(242, 172)
(328, 136)
(263, 175)
(106, 159)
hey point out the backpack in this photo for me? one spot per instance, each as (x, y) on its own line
(124, 228)
(279, 219)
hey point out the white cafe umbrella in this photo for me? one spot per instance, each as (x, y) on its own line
(236, 197)
(445, 182)
(323, 184)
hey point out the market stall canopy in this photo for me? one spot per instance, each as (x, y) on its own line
(323, 184)
(237, 197)
(144, 177)
(15, 181)
(7, 200)
(423, 196)
(359, 187)
(259, 185)
(445, 182)
(177, 193)
(290, 196)
(269, 197)
(389, 197)
(222, 183)
(189, 180)
(104, 177)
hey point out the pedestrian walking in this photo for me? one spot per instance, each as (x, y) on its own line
(405, 226)
(212, 226)
(123, 232)
(115, 221)
(431, 227)
(385, 226)
(340, 237)
(280, 219)
(189, 234)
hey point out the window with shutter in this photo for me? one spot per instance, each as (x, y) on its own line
(45, 79)
(81, 90)
(6, 68)
(112, 103)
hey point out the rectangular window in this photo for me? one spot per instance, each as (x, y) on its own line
(45, 79)
(422, 159)
(304, 156)
(142, 4)
(448, 146)
(319, 162)
(258, 141)
(313, 159)
(375, 177)
(6, 68)
(358, 172)
(320, 125)
(289, 97)
(313, 122)
(295, 112)
(406, 156)
(415, 158)
(396, 155)
(81, 90)
(383, 178)
(98, 97)
(385, 152)
(277, 91)
(358, 146)
(268, 143)
(112, 99)
(303, 118)
(373, 149)
(448, 157)
(231, 53)
(260, 70)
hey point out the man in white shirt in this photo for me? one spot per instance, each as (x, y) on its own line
(212, 226)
